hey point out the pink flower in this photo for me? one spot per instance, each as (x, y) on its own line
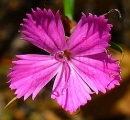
(80, 64)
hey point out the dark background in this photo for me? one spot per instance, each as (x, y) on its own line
(115, 105)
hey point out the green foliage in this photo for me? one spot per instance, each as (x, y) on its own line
(116, 47)
(69, 8)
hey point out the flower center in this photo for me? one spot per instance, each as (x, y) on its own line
(62, 56)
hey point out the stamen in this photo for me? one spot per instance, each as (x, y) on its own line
(112, 75)
(67, 54)
(59, 56)
(56, 93)
(64, 88)
(114, 10)
(63, 56)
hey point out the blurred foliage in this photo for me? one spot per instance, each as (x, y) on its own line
(115, 105)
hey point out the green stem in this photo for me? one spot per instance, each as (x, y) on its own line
(69, 8)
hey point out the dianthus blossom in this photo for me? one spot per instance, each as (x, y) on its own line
(80, 64)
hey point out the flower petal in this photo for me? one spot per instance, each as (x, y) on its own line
(45, 30)
(99, 72)
(31, 73)
(69, 90)
(90, 36)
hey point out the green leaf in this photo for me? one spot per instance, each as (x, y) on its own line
(116, 47)
(69, 8)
